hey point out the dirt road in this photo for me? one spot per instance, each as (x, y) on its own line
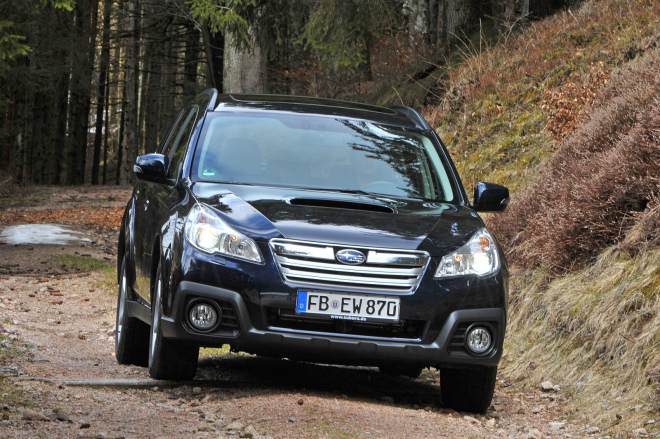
(57, 308)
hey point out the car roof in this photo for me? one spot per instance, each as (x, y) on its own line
(317, 106)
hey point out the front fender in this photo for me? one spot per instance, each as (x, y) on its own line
(128, 253)
(168, 231)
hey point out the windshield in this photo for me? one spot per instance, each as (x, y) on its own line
(319, 152)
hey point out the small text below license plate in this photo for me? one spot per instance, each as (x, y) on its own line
(360, 308)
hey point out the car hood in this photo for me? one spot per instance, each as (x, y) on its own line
(268, 212)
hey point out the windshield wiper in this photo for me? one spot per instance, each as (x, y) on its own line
(358, 191)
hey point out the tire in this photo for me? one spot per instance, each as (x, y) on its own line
(468, 390)
(395, 370)
(168, 359)
(131, 335)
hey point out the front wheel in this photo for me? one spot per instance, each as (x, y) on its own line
(168, 359)
(468, 390)
(131, 334)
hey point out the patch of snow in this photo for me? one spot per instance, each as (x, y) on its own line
(40, 234)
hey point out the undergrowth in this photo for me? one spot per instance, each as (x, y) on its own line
(502, 107)
(599, 179)
(567, 114)
(596, 333)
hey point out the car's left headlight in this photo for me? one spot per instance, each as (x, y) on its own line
(478, 256)
(208, 233)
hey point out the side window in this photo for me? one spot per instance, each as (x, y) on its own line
(180, 138)
(166, 142)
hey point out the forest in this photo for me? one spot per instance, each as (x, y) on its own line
(88, 85)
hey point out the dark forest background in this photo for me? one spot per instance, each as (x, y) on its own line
(87, 85)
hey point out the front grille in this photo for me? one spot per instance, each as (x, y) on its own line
(288, 319)
(314, 265)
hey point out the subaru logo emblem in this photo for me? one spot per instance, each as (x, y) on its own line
(351, 257)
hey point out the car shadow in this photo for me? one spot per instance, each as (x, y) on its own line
(367, 383)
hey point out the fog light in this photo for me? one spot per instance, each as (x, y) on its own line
(479, 340)
(203, 316)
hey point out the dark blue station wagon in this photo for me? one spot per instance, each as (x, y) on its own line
(315, 230)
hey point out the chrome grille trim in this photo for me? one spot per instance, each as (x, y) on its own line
(309, 264)
(304, 251)
(375, 257)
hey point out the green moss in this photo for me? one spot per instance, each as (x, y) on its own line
(107, 269)
(40, 197)
(84, 263)
(12, 396)
(214, 352)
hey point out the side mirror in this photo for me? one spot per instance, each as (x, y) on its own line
(152, 167)
(490, 197)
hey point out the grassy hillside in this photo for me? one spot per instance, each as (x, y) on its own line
(567, 114)
(495, 106)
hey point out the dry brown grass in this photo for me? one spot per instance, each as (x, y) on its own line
(596, 333)
(491, 114)
(645, 233)
(598, 180)
(567, 113)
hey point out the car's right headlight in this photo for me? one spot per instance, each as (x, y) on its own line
(208, 233)
(478, 256)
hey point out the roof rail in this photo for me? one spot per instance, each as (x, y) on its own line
(211, 95)
(412, 115)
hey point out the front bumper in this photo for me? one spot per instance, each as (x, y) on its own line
(444, 351)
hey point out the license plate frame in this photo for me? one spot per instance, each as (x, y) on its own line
(343, 306)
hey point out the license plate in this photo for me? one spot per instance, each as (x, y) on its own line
(356, 307)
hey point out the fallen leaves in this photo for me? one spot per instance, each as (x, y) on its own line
(103, 217)
(567, 105)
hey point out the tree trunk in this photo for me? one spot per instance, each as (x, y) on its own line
(433, 21)
(107, 129)
(455, 13)
(509, 11)
(525, 10)
(191, 60)
(244, 68)
(6, 136)
(130, 107)
(103, 72)
(214, 46)
(120, 140)
(82, 69)
(60, 143)
(416, 12)
(116, 87)
(39, 144)
(168, 84)
(143, 91)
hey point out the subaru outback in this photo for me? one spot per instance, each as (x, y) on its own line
(316, 230)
